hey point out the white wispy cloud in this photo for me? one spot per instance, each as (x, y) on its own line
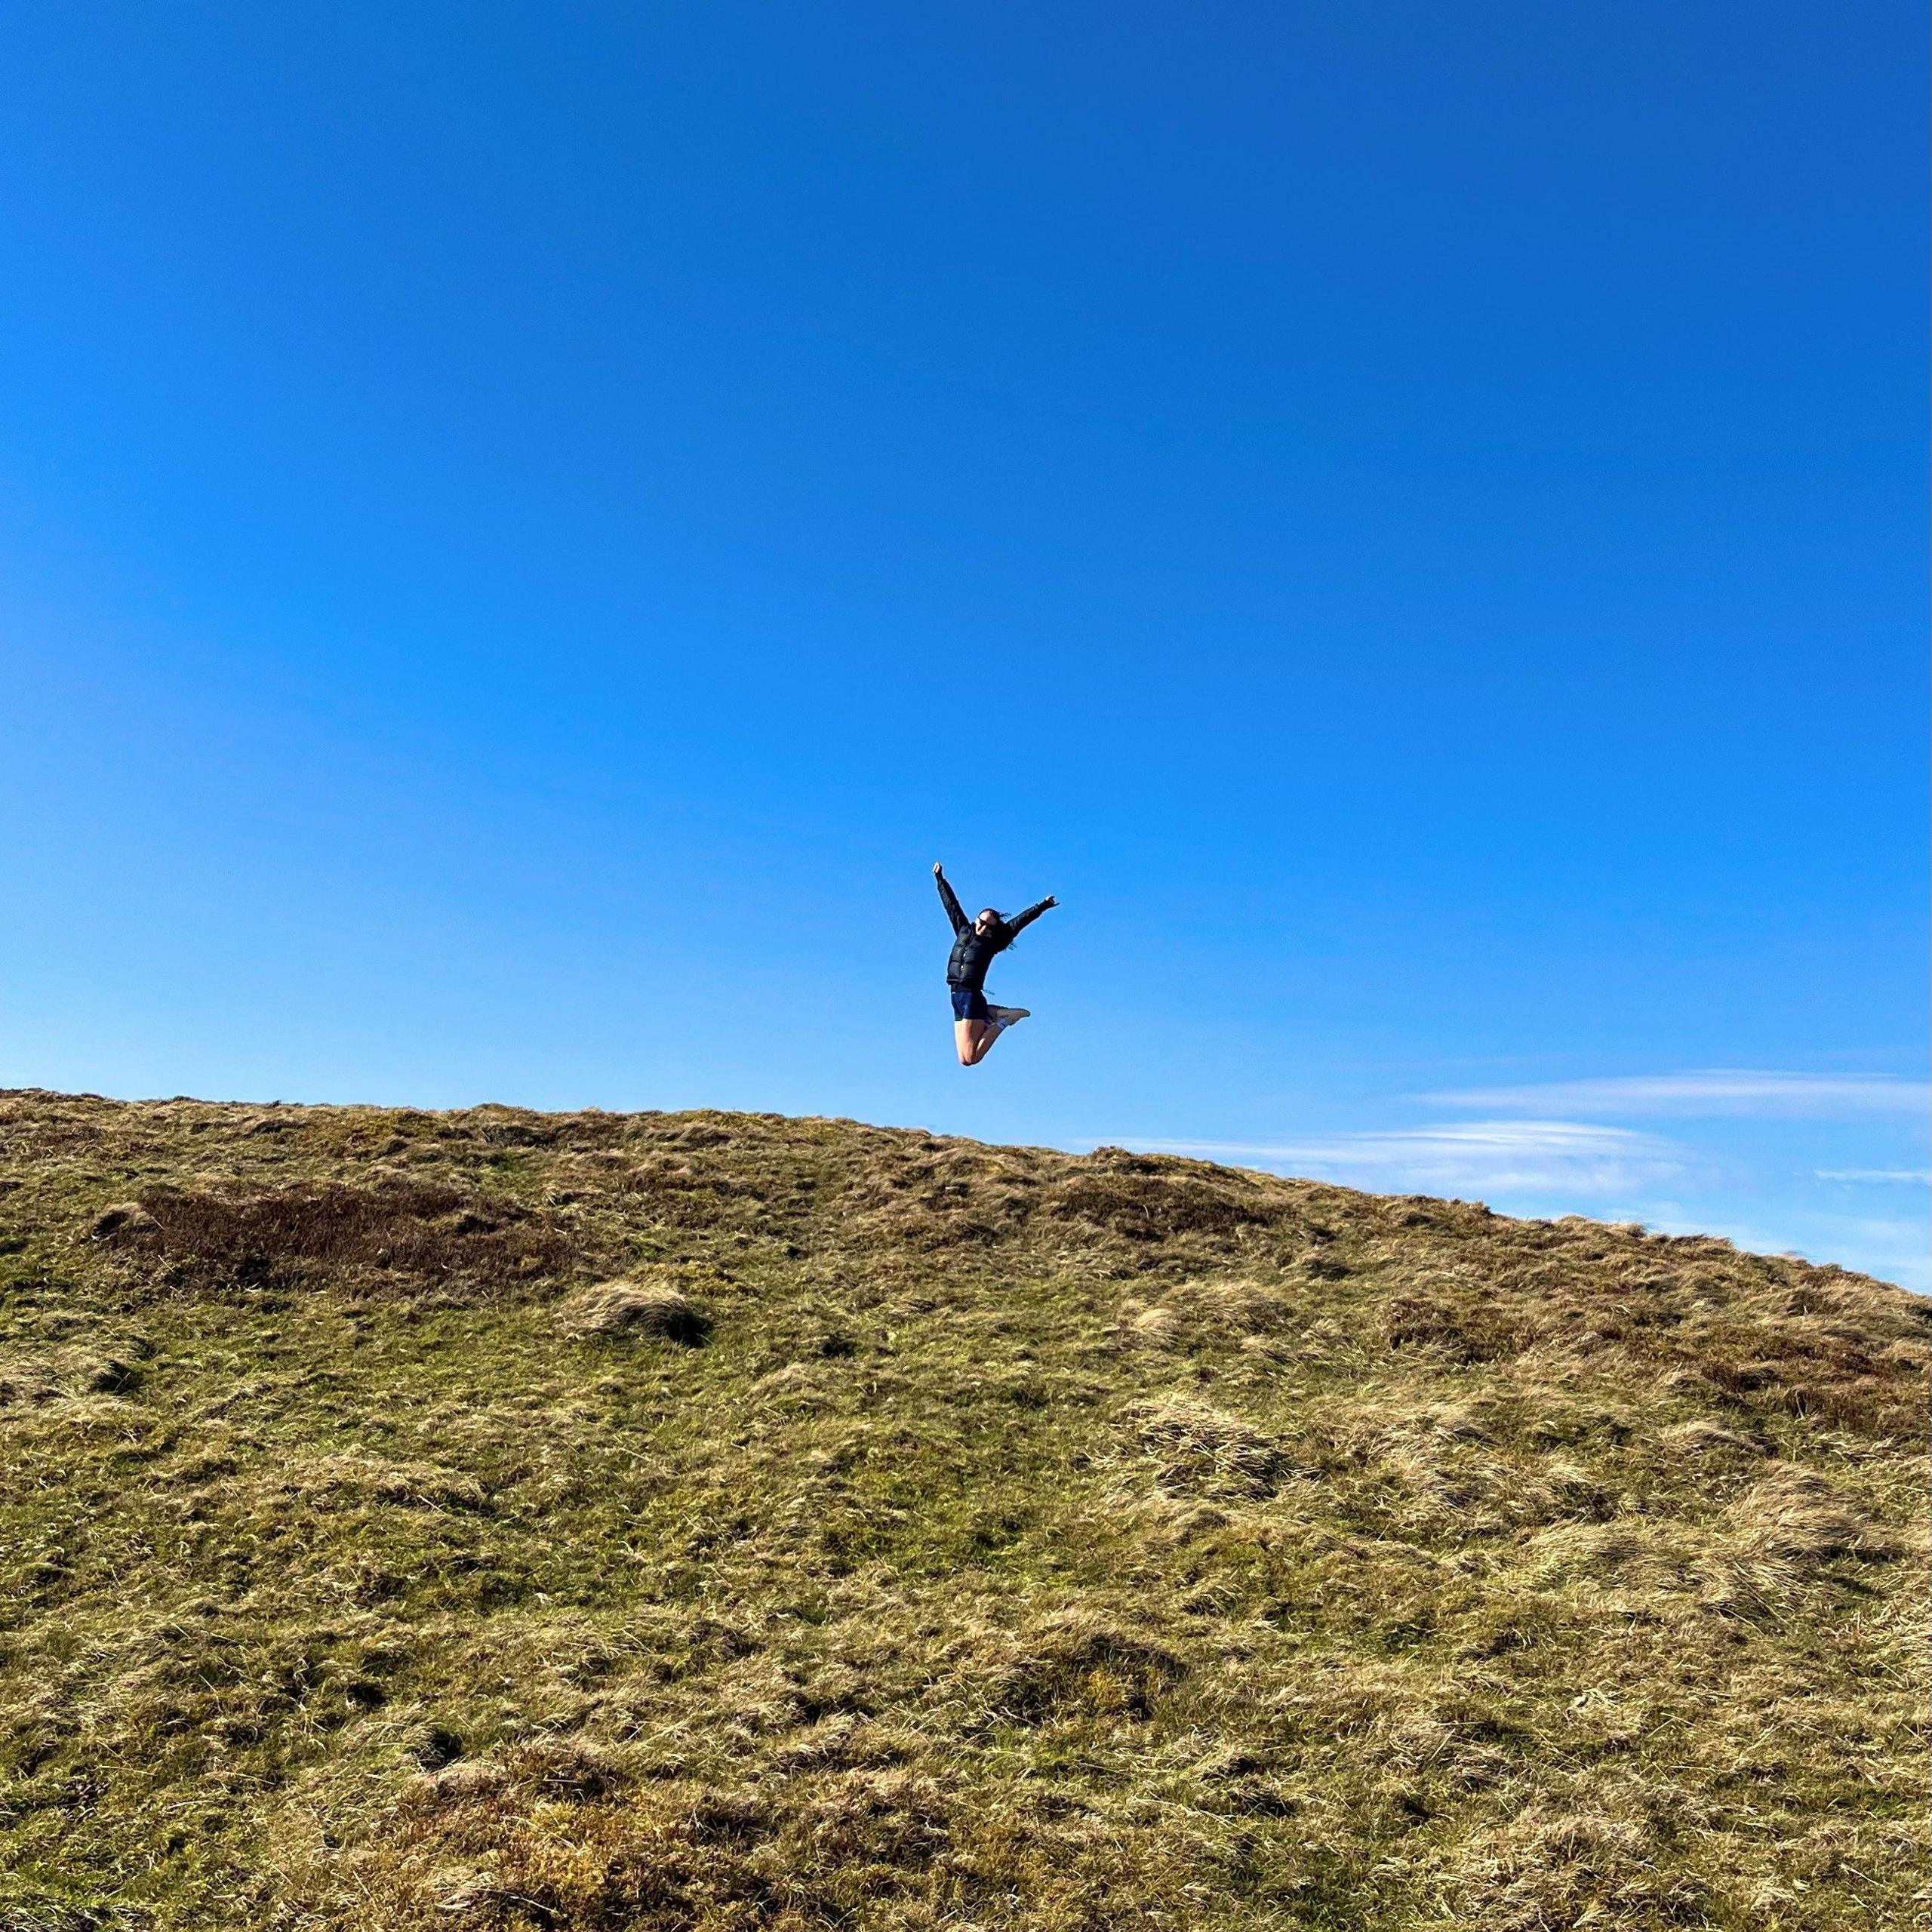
(1879, 1177)
(1467, 1159)
(1714, 1091)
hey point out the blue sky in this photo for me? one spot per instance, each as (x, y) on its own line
(524, 531)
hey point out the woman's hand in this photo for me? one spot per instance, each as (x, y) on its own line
(939, 871)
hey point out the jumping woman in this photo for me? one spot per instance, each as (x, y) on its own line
(976, 1026)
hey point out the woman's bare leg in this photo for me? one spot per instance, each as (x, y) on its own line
(974, 1039)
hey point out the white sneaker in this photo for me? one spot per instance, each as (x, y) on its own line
(1009, 1015)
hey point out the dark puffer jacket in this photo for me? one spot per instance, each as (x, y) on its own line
(974, 951)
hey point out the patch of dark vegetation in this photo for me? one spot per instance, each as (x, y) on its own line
(1144, 1198)
(396, 1235)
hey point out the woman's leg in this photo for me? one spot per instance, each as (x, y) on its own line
(974, 1039)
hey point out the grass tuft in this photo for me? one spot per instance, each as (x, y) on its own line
(616, 1309)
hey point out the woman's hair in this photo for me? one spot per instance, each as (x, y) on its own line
(988, 912)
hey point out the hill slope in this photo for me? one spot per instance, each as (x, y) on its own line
(922, 1534)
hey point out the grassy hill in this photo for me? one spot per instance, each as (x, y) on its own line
(495, 1519)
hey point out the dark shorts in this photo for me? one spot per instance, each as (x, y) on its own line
(969, 1003)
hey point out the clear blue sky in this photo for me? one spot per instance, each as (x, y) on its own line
(524, 530)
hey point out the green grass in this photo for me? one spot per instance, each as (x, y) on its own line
(1011, 1540)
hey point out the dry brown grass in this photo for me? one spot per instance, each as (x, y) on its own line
(1035, 1542)
(616, 1310)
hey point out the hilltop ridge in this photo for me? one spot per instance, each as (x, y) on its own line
(702, 1521)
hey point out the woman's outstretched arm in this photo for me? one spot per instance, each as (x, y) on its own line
(949, 899)
(1032, 913)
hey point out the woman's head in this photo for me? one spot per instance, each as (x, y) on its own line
(988, 920)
